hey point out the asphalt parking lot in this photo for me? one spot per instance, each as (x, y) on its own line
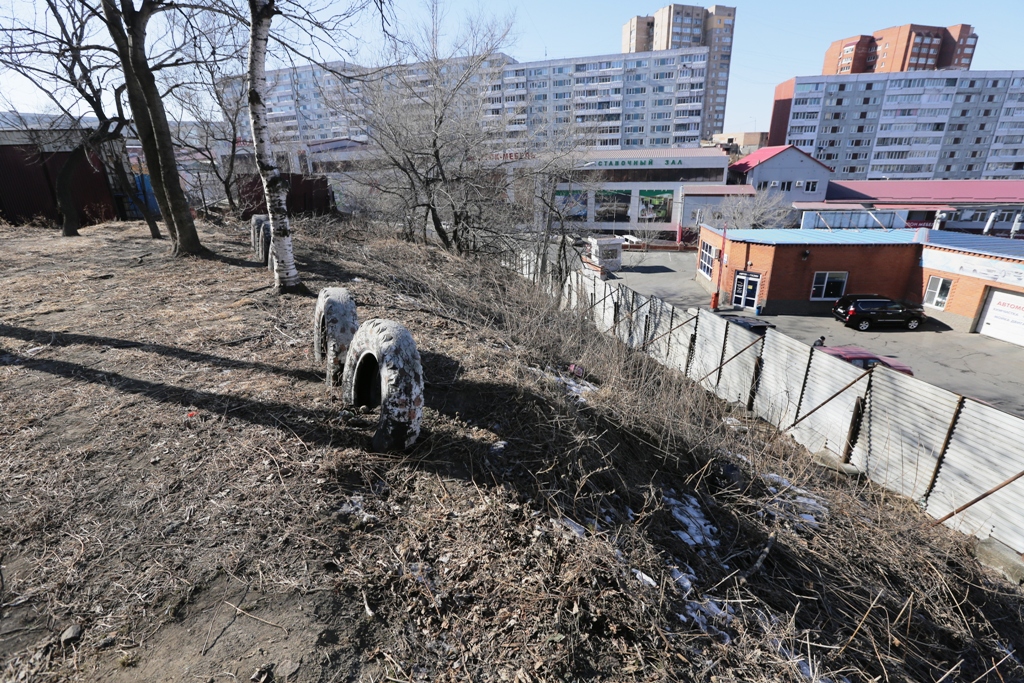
(969, 364)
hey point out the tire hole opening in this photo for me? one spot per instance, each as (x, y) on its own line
(367, 382)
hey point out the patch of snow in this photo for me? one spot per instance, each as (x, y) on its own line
(699, 531)
(644, 578)
(571, 526)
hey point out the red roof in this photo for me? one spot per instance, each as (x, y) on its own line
(764, 154)
(926, 191)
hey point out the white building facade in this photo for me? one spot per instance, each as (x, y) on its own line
(934, 125)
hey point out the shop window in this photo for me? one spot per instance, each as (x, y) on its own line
(937, 292)
(828, 286)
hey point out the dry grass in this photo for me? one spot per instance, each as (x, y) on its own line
(167, 447)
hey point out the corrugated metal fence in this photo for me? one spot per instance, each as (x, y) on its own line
(918, 440)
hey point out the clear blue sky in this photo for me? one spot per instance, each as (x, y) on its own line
(775, 39)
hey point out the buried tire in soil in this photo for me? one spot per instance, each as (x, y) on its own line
(263, 244)
(383, 368)
(334, 324)
(256, 224)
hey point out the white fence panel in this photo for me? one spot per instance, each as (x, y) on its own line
(684, 326)
(707, 349)
(660, 321)
(634, 332)
(828, 427)
(986, 449)
(784, 364)
(737, 375)
(902, 432)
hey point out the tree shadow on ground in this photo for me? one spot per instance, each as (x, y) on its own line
(55, 338)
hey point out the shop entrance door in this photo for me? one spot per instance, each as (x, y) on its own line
(744, 293)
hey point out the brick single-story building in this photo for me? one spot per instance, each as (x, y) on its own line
(973, 283)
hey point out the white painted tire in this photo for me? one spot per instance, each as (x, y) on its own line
(256, 224)
(334, 324)
(263, 243)
(383, 368)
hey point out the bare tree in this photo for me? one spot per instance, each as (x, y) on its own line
(432, 154)
(58, 52)
(765, 209)
(128, 27)
(315, 27)
(211, 102)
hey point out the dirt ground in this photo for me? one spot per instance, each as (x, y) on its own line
(183, 499)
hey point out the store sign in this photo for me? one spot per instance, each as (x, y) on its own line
(643, 162)
(1004, 317)
(1004, 272)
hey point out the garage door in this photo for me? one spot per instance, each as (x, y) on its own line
(1003, 317)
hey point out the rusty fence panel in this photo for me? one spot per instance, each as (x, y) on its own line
(707, 349)
(829, 426)
(742, 351)
(784, 366)
(902, 432)
(985, 449)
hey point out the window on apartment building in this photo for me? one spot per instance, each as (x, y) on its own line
(810, 186)
(937, 292)
(828, 286)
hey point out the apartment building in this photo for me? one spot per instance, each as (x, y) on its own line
(949, 124)
(911, 47)
(618, 101)
(680, 26)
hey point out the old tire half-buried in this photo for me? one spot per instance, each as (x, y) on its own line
(334, 324)
(261, 236)
(383, 368)
(256, 224)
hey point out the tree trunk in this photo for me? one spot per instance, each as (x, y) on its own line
(286, 276)
(127, 27)
(65, 198)
(188, 239)
(129, 189)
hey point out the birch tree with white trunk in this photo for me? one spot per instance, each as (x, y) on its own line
(275, 188)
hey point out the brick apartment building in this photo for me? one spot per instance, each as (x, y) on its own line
(911, 47)
(680, 26)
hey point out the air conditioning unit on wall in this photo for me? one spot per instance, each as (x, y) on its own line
(774, 183)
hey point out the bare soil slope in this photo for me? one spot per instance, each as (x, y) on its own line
(182, 499)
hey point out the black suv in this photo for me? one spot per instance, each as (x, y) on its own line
(865, 310)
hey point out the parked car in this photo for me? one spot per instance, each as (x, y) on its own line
(863, 358)
(866, 310)
(755, 325)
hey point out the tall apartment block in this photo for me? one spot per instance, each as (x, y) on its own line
(911, 47)
(632, 101)
(949, 124)
(676, 26)
(619, 101)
